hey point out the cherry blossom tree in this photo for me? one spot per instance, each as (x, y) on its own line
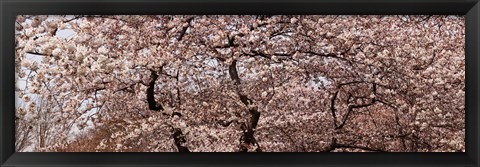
(305, 83)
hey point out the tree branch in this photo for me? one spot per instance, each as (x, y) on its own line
(152, 104)
(184, 29)
(356, 147)
(332, 108)
(247, 138)
(179, 140)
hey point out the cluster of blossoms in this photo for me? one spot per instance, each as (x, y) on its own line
(305, 83)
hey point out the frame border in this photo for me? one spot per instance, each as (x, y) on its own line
(10, 8)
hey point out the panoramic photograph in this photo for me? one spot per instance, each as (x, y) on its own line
(240, 83)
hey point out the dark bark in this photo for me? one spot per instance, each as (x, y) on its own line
(225, 123)
(179, 100)
(355, 106)
(247, 139)
(178, 137)
(152, 103)
(38, 54)
(179, 140)
(232, 70)
(349, 111)
(335, 145)
(176, 114)
(184, 29)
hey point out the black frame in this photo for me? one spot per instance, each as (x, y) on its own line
(10, 8)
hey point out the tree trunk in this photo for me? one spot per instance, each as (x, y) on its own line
(248, 139)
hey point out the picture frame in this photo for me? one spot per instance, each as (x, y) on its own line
(11, 8)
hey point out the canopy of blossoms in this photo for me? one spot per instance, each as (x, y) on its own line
(309, 83)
